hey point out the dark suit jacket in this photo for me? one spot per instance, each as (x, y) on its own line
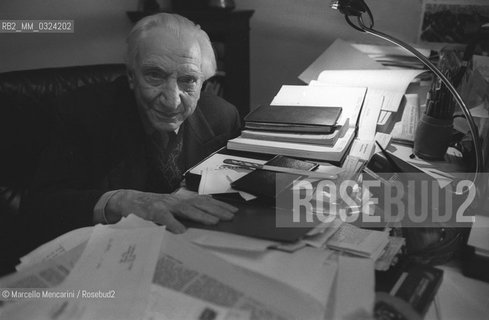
(99, 147)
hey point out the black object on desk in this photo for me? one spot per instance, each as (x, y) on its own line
(300, 119)
(255, 218)
(474, 265)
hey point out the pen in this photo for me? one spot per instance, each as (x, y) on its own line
(254, 165)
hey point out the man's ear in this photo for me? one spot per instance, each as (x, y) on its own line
(130, 78)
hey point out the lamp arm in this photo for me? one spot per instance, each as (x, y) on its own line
(451, 88)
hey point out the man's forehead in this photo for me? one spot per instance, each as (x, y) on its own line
(158, 38)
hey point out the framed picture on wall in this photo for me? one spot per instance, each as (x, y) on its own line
(452, 21)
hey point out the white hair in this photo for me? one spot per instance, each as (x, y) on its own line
(177, 25)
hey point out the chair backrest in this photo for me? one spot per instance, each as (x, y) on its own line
(26, 118)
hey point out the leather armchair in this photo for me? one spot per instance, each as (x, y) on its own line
(26, 117)
(26, 122)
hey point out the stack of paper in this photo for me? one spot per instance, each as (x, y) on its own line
(137, 270)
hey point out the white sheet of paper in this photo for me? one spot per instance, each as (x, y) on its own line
(314, 278)
(122, 260)
(340, 55)
(406, 128)
(199, 273)
(355, 288)
(214, 181)
(370, 114)
(384, 139)
(167, 304)
(224, 240)
(391, 83)
(362, 149)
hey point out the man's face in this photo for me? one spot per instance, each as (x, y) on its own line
(166, 79)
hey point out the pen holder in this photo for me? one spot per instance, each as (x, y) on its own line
(432, 138)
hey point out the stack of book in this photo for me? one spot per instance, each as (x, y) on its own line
(304, 121)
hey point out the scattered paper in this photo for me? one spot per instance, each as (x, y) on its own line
(405, 129)
(362, 242)
(116, 266)
(390, 253)
(392, 84)
(200, 274)
(56, 247)
(403, 152)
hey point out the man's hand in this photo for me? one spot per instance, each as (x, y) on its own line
(163, 209)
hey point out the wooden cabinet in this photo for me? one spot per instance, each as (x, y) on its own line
(229, 32)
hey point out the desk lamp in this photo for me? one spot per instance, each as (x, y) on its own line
(358, 8)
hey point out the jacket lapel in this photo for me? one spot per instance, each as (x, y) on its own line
(200, 139)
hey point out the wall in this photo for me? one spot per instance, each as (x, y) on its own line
(286, 35)
(99, 37)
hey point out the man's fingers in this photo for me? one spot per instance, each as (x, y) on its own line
(216, 210)
(215, 207)
(191, 212)
(172, 224)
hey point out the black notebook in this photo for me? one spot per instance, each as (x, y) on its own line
(293, 119)
(269, 184)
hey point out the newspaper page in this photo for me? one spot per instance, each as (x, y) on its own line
(111, 279)
(188, 269)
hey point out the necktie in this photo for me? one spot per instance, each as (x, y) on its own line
(165, 173)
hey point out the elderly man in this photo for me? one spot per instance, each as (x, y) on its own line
(122, 147)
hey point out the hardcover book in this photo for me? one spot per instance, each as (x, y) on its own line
(293, 119)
